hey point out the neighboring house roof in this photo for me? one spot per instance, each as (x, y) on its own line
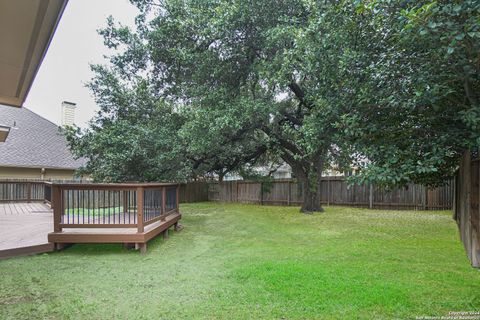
(34, 142)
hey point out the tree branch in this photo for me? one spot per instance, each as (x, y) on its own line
(472, 97)
(300, 94)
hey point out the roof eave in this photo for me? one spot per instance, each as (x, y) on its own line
(39, 38)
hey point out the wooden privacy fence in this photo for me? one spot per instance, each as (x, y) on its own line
(467, 213)
(334, 191)
(195, 191)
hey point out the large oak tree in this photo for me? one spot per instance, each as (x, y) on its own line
(242, 78)
(212, 85)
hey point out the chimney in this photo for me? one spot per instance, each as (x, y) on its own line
(68, 113)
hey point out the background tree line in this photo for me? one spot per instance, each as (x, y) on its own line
(215, 86)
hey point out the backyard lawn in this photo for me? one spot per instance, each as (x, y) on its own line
(244, 261)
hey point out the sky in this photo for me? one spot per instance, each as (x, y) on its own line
(65, 68)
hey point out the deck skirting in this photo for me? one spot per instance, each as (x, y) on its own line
(113, 235)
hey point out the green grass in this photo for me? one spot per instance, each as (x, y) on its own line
(93, 212)
(251, 262)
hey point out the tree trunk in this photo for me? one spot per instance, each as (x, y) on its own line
(309, 174)
(311, 199)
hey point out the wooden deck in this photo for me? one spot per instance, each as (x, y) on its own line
(128, 213)
(24, 228)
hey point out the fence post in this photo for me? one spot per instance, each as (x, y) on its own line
(370, 196)
(328, 191)
(236, 191)
(139, 209)
(454, 200)
(261, 193)
(425, 197)
(415, 205)
(57, 204)
(289, 193)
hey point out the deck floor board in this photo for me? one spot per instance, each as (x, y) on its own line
(24, 225)
(10, 208)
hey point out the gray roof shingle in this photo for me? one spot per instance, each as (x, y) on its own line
(34, 142)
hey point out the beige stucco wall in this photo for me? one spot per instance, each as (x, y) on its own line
(35, 173)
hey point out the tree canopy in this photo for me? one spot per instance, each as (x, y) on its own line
(209, 86)
(418, 109)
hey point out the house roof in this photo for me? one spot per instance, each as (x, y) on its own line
(26, 29)
(34, 142)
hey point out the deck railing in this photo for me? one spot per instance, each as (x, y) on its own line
(21, 190)
(125, 205)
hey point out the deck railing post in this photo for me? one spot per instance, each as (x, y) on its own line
(125, 202)
(164, 198)
(29, 192)
(140, 192)
(57, 205)
(177, 198)
(52, 200)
